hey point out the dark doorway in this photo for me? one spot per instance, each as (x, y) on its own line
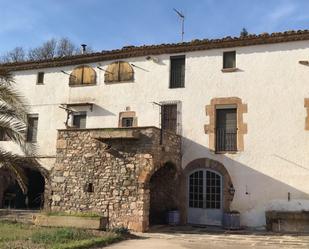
(164, 194)
(14, 198)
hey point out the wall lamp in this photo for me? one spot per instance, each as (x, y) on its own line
(231, 189)
(154, 59)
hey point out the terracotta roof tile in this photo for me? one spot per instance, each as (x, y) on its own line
(134, 51)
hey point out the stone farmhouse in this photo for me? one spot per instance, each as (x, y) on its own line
(204, 127)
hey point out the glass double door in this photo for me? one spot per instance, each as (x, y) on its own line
(205, 198)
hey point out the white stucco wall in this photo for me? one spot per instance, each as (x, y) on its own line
(275, 160)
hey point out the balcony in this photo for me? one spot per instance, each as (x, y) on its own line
(226, 140)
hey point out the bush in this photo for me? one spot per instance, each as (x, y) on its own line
(61, 235)
(120, 230)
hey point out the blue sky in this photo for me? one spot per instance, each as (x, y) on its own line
(108, 24)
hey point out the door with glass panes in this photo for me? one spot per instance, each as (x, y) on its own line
(205, 198)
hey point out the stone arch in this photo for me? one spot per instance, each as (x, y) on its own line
(206, 163)
(144, 181)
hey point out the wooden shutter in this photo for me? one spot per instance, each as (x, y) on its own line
(119, 71)
(76, 77)
(89, 75)
(169, 117)
(82, 75)
(125, 71)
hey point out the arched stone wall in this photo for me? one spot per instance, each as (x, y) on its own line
(206, 163)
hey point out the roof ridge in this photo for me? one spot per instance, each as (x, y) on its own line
(136, 51)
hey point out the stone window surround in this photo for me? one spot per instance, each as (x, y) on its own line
(127, 114)
(241, 126)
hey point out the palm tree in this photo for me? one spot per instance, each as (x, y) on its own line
(13, 126)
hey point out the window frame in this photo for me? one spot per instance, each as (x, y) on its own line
(38, 82)
(28, 138)
(78, 114)
(127, 118)
(173, 85)
(225, 146)
(224, 57)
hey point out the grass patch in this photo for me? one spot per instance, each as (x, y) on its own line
(15, 235)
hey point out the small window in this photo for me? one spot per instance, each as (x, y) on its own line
(177, 75)
(229, 59)
(169, 117)
(40, 78)
(127, 122)
(79, 120)
(88, 188)
(83, 75)
(119, 71)
(32, 131)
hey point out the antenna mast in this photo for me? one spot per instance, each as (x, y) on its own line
(182, 17)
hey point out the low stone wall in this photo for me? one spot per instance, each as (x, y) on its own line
(287, 221)
(107, 171)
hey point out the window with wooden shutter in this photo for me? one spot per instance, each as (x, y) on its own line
(83, 75)
(177, 75)
(119, 71)
(169, 117)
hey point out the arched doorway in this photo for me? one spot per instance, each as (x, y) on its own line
(12, 196)
(209, 192)
(205, 197)
(164, 193)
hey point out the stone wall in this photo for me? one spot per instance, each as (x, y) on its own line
(108, 171)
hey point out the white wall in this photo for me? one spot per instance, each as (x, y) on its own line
(270, 81)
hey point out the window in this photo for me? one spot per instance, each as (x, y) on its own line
(169, 117)
(127, 122)
(32, 130)
(127, 118)
(119, 71)
(229, 60)
(177, 75)
(82, 75)
(79, 120)
(40, 78)
(226, 129)
(89, 188)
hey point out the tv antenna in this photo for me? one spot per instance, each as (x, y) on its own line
(182, 17)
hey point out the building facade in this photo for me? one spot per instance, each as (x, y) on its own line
(234, 119)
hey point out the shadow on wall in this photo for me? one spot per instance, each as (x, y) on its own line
(100, 111)
(255, 191)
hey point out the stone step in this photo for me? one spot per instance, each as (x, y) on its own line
(22, 216)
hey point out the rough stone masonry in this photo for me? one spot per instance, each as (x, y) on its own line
(107, 171)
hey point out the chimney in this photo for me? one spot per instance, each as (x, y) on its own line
(83, 48)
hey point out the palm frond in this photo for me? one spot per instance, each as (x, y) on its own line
(13, 98)
(6, 77)
(15, 164)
